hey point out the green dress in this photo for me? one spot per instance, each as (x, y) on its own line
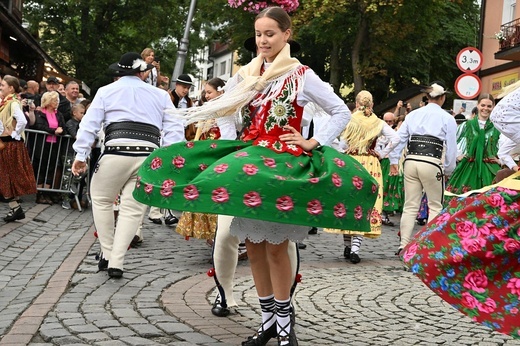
(477, 169)
(261, 178)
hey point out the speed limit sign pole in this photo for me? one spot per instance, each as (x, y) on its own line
(469, 61)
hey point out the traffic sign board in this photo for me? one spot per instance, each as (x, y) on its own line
(469, 60)
(468, 86)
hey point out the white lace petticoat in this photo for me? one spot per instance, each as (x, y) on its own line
(275, 233)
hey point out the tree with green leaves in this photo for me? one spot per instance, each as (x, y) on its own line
(84, 37)
(380, 45)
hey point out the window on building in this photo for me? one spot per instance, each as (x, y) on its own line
(508, 12)
(223, 68)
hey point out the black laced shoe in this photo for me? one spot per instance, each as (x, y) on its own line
(15, 214)
(115, 273)
(171, 220)
(289, 339)
(346, 252)
(262, 336)
(102, 264)
(218, 308)
(354, 258)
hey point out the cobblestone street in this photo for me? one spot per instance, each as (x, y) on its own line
(52, 294)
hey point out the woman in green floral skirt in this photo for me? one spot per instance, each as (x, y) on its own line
(477, 143)
(275, 182)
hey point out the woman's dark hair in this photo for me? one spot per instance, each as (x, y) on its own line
(14, 82)
(216, 83)
(85, 102)
(277, 14)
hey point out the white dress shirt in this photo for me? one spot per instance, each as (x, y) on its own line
(506, 116)
(128, 99)
(430, 120)
(21, 121)
(507, 149)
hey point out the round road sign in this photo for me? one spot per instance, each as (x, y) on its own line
(468, 86)
(469, 60)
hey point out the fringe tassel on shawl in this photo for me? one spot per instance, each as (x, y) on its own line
(269, 85)
(361, 131)
(231, 102)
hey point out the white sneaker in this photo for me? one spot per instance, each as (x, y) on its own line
(65, 204)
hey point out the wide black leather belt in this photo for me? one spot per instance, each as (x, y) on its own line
(134, 148)
(425, 146)
(133, 130)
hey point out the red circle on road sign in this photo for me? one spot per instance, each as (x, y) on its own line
(468, 86)
(469, 60)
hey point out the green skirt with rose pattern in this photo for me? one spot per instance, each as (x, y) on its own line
(327, 189)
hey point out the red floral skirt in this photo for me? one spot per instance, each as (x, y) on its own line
(16, 173)
(470, 256)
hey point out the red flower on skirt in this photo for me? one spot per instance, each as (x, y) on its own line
(179, 161)
(191, 192)
(252, 199)
(284, 203)
(314, 207)
(220, 195)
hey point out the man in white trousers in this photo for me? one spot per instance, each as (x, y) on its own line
(133, 115)
(426, 131)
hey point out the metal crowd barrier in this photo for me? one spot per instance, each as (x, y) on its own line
(52, 164)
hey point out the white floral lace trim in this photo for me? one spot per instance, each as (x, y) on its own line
(258, 231)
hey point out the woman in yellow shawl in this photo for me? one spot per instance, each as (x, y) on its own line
(360, 136)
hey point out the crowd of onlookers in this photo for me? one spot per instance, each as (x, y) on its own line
(53, 112)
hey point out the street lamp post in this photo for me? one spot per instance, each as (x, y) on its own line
(183, 47)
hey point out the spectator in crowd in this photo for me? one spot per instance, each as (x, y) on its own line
(72, 93)
(72, 127)
(153, 76)
(47, 163)
(52, 84)
(16, 176)
(61, 89)
(33, 88)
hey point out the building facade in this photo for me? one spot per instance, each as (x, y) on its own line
(500, 45)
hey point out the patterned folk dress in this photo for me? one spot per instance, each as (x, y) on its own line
(361, 135)
(200, 225)
(272, 189)
(16, 174)
(479, 142)
(470, 256)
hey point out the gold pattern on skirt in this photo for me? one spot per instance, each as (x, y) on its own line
(197, 225)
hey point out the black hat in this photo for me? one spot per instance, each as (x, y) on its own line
(23, 84)
(129, 64)
(435, 89)
(250, 45)
(460, 118)
(52, 80)
(184, 79)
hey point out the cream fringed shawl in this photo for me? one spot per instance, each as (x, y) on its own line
(250, 84)
(361, 132)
